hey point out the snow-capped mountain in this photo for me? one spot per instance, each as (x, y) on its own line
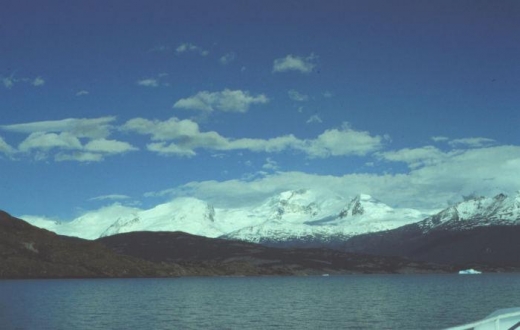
(476, 212)
(288, 216)
(477, 230)
(363, 214)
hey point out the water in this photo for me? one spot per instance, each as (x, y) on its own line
(343, 302)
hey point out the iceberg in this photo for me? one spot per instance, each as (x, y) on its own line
(469, 271)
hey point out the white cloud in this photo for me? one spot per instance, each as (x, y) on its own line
(342, 142)
(186, 137)
(416, 157)
(188, 47)
(171, 149)
(295, 63)
(472, 142)
(109, 197)
(79, 127)
(170, 129)
(270, 165)
(109, 146)
(296, 96)
(314, 119)
(439, 138)
(8, 82)
(150, 82)
(38, 81)
(327, 94)
(227, 100)
(82, 92)
(65, 136)
(227, 58)
(485, 171)
(86, 157)
(5, 148)
(47, 141)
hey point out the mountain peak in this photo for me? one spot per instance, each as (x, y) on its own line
(478, 211)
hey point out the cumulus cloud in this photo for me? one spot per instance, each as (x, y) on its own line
(484, 171)
(416, 157)
(314, 119)
(38, 81)
(295, 63)
(270, 165)
(63, 139)
(439, 138)
(227, 58)
(109, 146)
(190, 48)
(342, 142)
(226, 100)
(296, 96)
(170, 149)
(47, 141)
(150, 82)
(183, 137)
(5, 148)
(327, 94)
(10, 81)
(82, 92)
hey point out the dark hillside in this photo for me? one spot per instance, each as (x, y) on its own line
(490, 246)
(186, 249)
(30, 252)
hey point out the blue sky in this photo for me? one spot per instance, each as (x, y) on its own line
(132, 102)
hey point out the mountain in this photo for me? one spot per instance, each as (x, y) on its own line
(478, 230)
(363, 214)
(303, 217)
(30, 252)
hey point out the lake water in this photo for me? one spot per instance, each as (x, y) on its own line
(335, 302)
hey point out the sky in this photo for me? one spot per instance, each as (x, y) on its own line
(139, 102)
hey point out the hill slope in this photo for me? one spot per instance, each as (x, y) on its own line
(188, 250)
(30, 252)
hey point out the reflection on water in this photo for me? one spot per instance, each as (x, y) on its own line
(346, 302)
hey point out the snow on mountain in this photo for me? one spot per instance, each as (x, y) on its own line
(290, 215)
(363, 214)
(475, 212)
(182, 214)
(90, 225)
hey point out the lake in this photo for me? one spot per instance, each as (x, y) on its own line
(335, 302)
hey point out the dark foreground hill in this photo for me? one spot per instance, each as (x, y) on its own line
(190, 250)
(30, 252)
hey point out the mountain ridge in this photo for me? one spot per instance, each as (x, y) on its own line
(478, 230)
(290, 214)
(30, 252)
